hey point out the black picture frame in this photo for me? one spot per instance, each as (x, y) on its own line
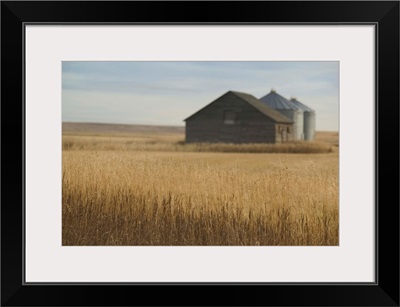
(383, 14)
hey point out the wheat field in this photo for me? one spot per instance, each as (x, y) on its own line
(154, 194)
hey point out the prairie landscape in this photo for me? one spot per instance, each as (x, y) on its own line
(142, 185)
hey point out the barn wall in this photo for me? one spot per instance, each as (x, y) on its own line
(251, 125)
(297, 117)
(284, 133)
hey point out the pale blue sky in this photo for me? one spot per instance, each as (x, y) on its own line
(165, 93)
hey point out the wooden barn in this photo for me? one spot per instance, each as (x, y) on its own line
(238, 118)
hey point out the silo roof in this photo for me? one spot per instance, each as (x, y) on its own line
(278, 102)
(300, 105)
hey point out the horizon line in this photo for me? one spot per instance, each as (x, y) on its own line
(99, 123)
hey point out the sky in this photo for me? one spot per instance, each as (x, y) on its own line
(165, 93)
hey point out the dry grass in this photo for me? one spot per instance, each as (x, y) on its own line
(166, 198)
(138, 185)
(161, 142)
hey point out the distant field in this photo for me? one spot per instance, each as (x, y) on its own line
(327, 137)
(139, 185)
(78, 136)
(118, 129)
(127, 130)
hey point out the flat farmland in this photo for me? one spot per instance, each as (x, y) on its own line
(141, 185)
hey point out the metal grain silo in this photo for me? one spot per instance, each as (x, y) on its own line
(287, 108)
(309, 119)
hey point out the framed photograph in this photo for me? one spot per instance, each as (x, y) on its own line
(240, 147)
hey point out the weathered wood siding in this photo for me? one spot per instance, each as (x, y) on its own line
(251, 126)
(283, 133)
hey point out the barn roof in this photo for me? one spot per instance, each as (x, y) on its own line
(266, 110)
(278, 102)
(300, 105)
(253, 101)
